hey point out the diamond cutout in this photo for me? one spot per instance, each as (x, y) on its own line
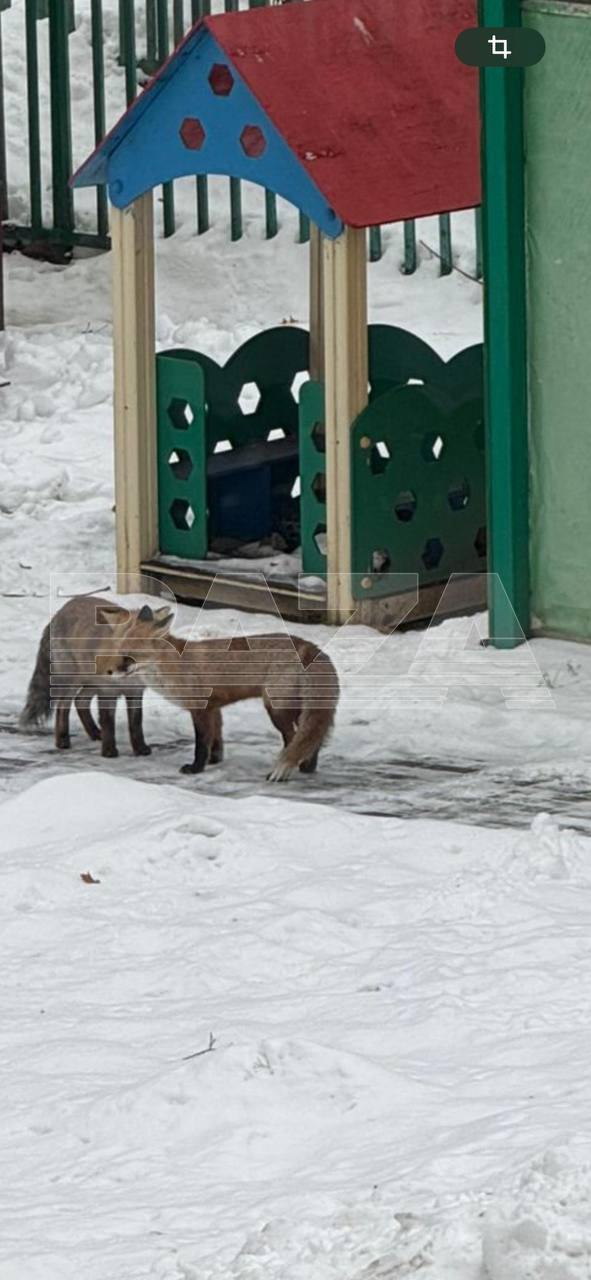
(379, 457)
(180, 463)
(182, 514)
(319, 537)
(180, 413)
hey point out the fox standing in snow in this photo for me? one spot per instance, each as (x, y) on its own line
(65, 672)
(296, 681)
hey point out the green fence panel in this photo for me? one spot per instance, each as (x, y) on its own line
(61, 120)
(266, 366)
(127, 52)
(178, 21)
(98, 93)
(478, 239)
(182, 480)
(417, 490)
(43, 12)
(417, 450)
(248, 400)
(313, 479)
(33, 116)
(410, 248)
(4, 4)
(151, 37)
(163, 51)
(375, 244)
(445, 249)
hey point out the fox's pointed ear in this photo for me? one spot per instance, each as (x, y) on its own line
(145, 614)
(163, 616)
(110, 615)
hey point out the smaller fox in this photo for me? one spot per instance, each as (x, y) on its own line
(296, 681)
(65, 672)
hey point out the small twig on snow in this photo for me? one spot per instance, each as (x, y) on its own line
(200, 1052)
(465, 274)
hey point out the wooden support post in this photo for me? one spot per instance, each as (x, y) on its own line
(136, 503)
(344, 291)
(316, 306)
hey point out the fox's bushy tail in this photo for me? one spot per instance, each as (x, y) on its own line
(38, 704)
(318, 697)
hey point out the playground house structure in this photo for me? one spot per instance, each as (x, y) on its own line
(359, 113)
(357, 121)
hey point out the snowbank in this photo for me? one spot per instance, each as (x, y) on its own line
(543, 1230)
(256, 1037)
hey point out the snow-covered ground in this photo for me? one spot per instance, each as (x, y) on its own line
(256, 1032)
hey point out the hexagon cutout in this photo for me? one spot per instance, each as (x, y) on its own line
(180, 413)
(182, 515)
(223, 446)
(298, 382)
(480, 543)
(379, 458)
(296, 488)
(253, 141)
(318, 434)
(276, 433)
(405, 505)
(432, 553)
(249, 398)
(432, 446)
(221, 80)
(192, 133)
(381, 561)
(318, 486)
(458, 495)
(319, 537)
(180, 463)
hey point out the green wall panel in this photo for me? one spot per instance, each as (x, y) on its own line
(180, 421)
(558, 228)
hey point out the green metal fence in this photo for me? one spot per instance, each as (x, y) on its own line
(147, 31)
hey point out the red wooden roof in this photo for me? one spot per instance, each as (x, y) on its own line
(370, 96)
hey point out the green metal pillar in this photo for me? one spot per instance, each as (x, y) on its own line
(503, 235)
(61, 120)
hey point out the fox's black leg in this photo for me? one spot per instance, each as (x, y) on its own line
(134, 721)
(203, 740)
(62, 723)
(82, 703)
(216, 754)
(107, 723)
(310, 766)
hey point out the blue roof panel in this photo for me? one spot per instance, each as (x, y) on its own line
(181, 125)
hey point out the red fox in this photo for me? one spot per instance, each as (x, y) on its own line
(296, 681)
(65, 671)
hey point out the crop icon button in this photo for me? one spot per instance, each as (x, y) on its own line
(500, 47)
